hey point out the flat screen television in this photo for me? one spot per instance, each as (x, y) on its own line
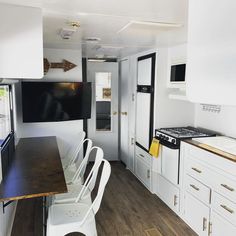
(56, 101)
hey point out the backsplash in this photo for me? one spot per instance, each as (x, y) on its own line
(223, 122)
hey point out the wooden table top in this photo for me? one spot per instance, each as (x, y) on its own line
(36, 170)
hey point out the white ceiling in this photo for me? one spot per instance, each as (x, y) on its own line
(105, 18)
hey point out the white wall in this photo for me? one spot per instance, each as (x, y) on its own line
(223, 122)
(169, 112)
(66, 130)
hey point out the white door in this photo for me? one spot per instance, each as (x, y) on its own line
(197, 215)
(103, 125)
(124, 103)
(170, 164)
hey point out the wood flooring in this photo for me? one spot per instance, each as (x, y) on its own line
(129, 209)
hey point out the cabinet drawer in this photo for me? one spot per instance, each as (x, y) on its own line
(225, 186)
(224, 207)
(143, 155)
(198, 189)
(199, 172)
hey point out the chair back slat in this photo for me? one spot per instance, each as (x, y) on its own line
(73, 153)
(91, 179)
(81, 170)
(106, 172)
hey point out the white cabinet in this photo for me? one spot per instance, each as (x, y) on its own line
(143, 172)
(168, 193)
(166, 181)
(219, 226)
(21, 42)
(170, 164)
(211, 68)
(196, 214)
(209, 202)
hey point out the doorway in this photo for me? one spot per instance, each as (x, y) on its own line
(103, 125)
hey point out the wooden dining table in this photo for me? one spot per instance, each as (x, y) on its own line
(36, 170)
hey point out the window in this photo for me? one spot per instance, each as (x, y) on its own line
(5, 112)
(103, 101)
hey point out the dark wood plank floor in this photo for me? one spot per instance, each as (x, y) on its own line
(128, 208)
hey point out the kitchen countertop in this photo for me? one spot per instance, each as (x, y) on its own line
(212, 149)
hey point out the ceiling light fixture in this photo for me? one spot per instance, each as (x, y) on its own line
(67, 33)
(96, 60)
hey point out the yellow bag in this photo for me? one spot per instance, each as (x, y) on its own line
(154, 148)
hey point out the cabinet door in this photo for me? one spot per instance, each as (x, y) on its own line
(170, 164)
(220, 227)
(211, 66)
(169, 193)
(143, 172)
(143, 119)
(196, 214)
(21, 42)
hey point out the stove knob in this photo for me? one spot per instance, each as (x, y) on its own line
(166, 138)
(173, 141)
(161, 136)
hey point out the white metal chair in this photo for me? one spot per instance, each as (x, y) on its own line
(72, 154)
(75, 172)
(74, 190)
(77, 217)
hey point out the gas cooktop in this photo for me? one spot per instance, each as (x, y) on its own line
(175, 134)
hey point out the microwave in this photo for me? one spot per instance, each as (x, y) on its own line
(177, 73)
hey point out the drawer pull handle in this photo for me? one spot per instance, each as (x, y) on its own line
(197, 170)
(204, 224)
(194, 187)
(148, 174)
(227, 209)
(227, 187)
(175, 200)
(141, 155)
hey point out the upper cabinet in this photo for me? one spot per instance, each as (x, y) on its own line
(21, 43)
(211, 67)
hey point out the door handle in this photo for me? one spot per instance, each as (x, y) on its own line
(124, 113)
(175, 200)
(204, 224)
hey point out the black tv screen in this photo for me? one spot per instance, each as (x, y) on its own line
(178, 73)
(56, 101)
